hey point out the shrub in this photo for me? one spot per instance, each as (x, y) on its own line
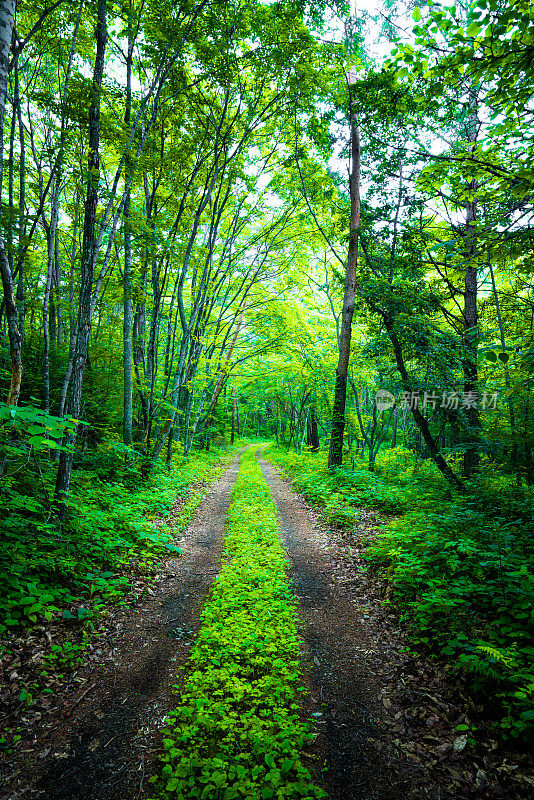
(460, 569)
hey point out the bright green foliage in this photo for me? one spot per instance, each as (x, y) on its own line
(237, 732)
(341, 493)
(463, 575)
(45, 567)
(27, 428)
(465, 580)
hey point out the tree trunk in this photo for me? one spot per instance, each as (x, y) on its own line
(57, 294)
(395, 425)
(233, 416)
(335, 455)
(11, 186)
(51, 241)
(529, 461)
(7, 16)
(127, 321)
(139, 326)
(420, 420)
(470, 333)
(88, 257)
(170, 440)
(314, 433)
(22, 205)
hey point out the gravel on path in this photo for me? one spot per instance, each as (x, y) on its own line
(351, 757)
(107, 748)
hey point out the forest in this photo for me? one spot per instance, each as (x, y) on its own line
(287, 231)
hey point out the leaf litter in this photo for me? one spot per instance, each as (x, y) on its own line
(432, 733)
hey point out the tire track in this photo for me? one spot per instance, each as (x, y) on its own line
(344, 700)
(116, 737)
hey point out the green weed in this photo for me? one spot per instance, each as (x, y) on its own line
(237, 731)
(460, 570)
(45, 567)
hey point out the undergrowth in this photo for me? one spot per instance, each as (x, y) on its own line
(58, 581)
(459, 568)
(237, 731)
(46, 567)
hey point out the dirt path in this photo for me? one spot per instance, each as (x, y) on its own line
(107, 748)
(385, 727)
(351, 740)
(390, 725)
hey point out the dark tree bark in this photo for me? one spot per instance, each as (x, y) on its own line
(419, 419)
(470, 333)
(470, 342)
(335, 455)
(22, 203)
(7, 16)
(51, 232)
(127, 321)
(88, 257)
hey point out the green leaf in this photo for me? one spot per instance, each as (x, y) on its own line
(474, 29)
(490, 356)
(416, 14)
(269, 760)
(26, 601)
(38, 441)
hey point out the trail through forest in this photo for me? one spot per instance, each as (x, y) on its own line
(343, 694)
(225, 224)
(105, 750)
(107, 746)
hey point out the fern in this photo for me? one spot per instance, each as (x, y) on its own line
(491, 663)
(497, 655)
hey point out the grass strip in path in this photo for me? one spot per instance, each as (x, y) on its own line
(237, 732)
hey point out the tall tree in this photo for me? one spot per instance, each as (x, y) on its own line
(335, 455)
(7, 19)
(89, 252)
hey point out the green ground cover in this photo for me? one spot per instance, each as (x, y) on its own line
(237, 731)
(460, 568)
(45, 566)
(57, 581)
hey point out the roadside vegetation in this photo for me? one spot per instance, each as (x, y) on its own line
(459, 567)
(237, 732)
(47, 569)
(60, 580)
